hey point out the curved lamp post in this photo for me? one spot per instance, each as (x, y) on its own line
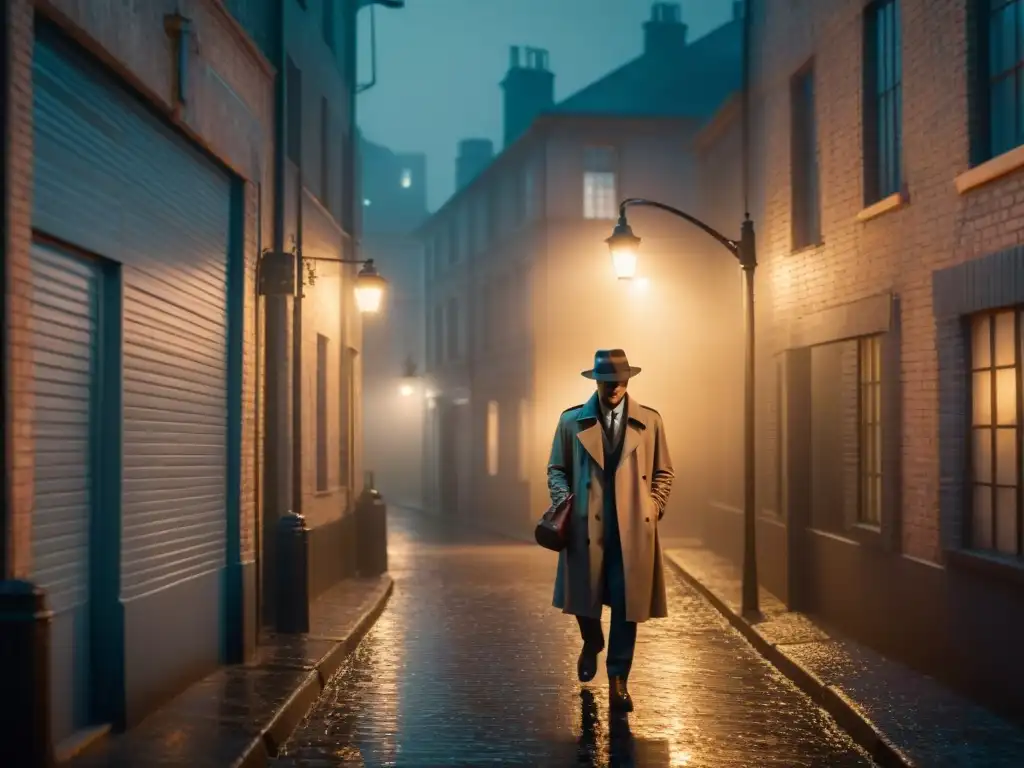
(624, 246)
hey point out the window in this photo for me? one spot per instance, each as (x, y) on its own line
(805, 189)
(524, 441)
(406, 180)
(1000, 86)
(321, 412)
(481, 224)
(325, 153)
(869, 407)
(518, 190)
(453, 329)
(530, 193)
(883, 75)
(492, 438)
(438, 335)
(327, 24)
(347, 418)
(293, 97)
(995, 437)
(599, 193)
(453, 239)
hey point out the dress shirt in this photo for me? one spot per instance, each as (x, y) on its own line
(615, 433)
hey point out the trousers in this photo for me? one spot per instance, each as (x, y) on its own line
(622, 633)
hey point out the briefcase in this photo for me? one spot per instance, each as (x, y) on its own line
(552, 531)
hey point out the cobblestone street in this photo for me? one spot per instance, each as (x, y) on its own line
(470, 666)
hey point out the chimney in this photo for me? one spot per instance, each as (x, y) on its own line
(737, 10)
(529, 90)
(665, 33)
(474, 156)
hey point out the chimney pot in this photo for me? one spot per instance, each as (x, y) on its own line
(737, 10)
(474, 155)
(529, 88)
(665, 33)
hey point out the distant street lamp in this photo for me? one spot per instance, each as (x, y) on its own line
(409, 378)
(624, 247)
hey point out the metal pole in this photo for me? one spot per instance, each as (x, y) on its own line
(297, 359)
(748, 259)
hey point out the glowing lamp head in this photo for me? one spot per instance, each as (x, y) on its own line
(405, 390)
(370, 287)
(623, 245)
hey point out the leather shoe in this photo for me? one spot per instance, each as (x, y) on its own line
(618, 696)
(586, 664)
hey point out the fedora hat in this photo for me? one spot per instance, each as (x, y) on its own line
(611, 365)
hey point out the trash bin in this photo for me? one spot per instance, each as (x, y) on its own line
(371, 531)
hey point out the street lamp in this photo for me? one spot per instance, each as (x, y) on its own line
(409, 377)
(624, 246)
(370, 287)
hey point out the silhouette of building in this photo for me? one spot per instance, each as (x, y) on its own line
(520, 289)
(395, 205)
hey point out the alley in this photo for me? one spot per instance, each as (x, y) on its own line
(470, 666)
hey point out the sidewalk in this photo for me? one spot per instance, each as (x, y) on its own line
(240, 715)
(901, 717)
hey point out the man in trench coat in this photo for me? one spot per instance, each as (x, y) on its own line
(611, 452)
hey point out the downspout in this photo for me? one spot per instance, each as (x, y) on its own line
(297, 348)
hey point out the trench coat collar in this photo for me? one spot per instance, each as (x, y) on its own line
(590, 435)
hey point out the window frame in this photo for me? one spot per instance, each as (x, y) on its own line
(991, 366)
(327, 25)
(293, 114)
(805, 171)
(883, 100)
(983, 146)
(325, 152)
(596, 173)
(322, 437)
(871, 475)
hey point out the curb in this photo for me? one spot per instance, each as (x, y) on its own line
(842, 709)
(270, 739)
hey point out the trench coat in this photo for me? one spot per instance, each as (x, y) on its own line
(643, 481)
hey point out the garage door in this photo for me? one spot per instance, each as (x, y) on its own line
(64, 317)
(113, 179)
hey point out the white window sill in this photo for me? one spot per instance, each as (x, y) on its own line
(990, 170)
(893, 202)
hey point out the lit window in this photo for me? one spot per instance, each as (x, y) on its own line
(995, 439)
(406, 178)
(366, 202)
(524, 441)
(492, 438)
(599, 193)
(870, 407)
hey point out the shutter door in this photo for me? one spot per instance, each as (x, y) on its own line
(64, 317)
(113, 178)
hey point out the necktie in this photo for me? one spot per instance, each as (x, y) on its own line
(611, 428)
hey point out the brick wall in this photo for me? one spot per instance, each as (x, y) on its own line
(229, 110)
(899, 250)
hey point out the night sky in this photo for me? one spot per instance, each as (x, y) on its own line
(440, 62)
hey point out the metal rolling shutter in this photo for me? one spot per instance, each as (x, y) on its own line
(113, 178)
(64, 317)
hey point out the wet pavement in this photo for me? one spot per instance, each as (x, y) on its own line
(925, 722)
(470, 666)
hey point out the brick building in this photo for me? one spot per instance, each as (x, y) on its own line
(394, 206)
(520, 289)
(887, 187)
(141, 183)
